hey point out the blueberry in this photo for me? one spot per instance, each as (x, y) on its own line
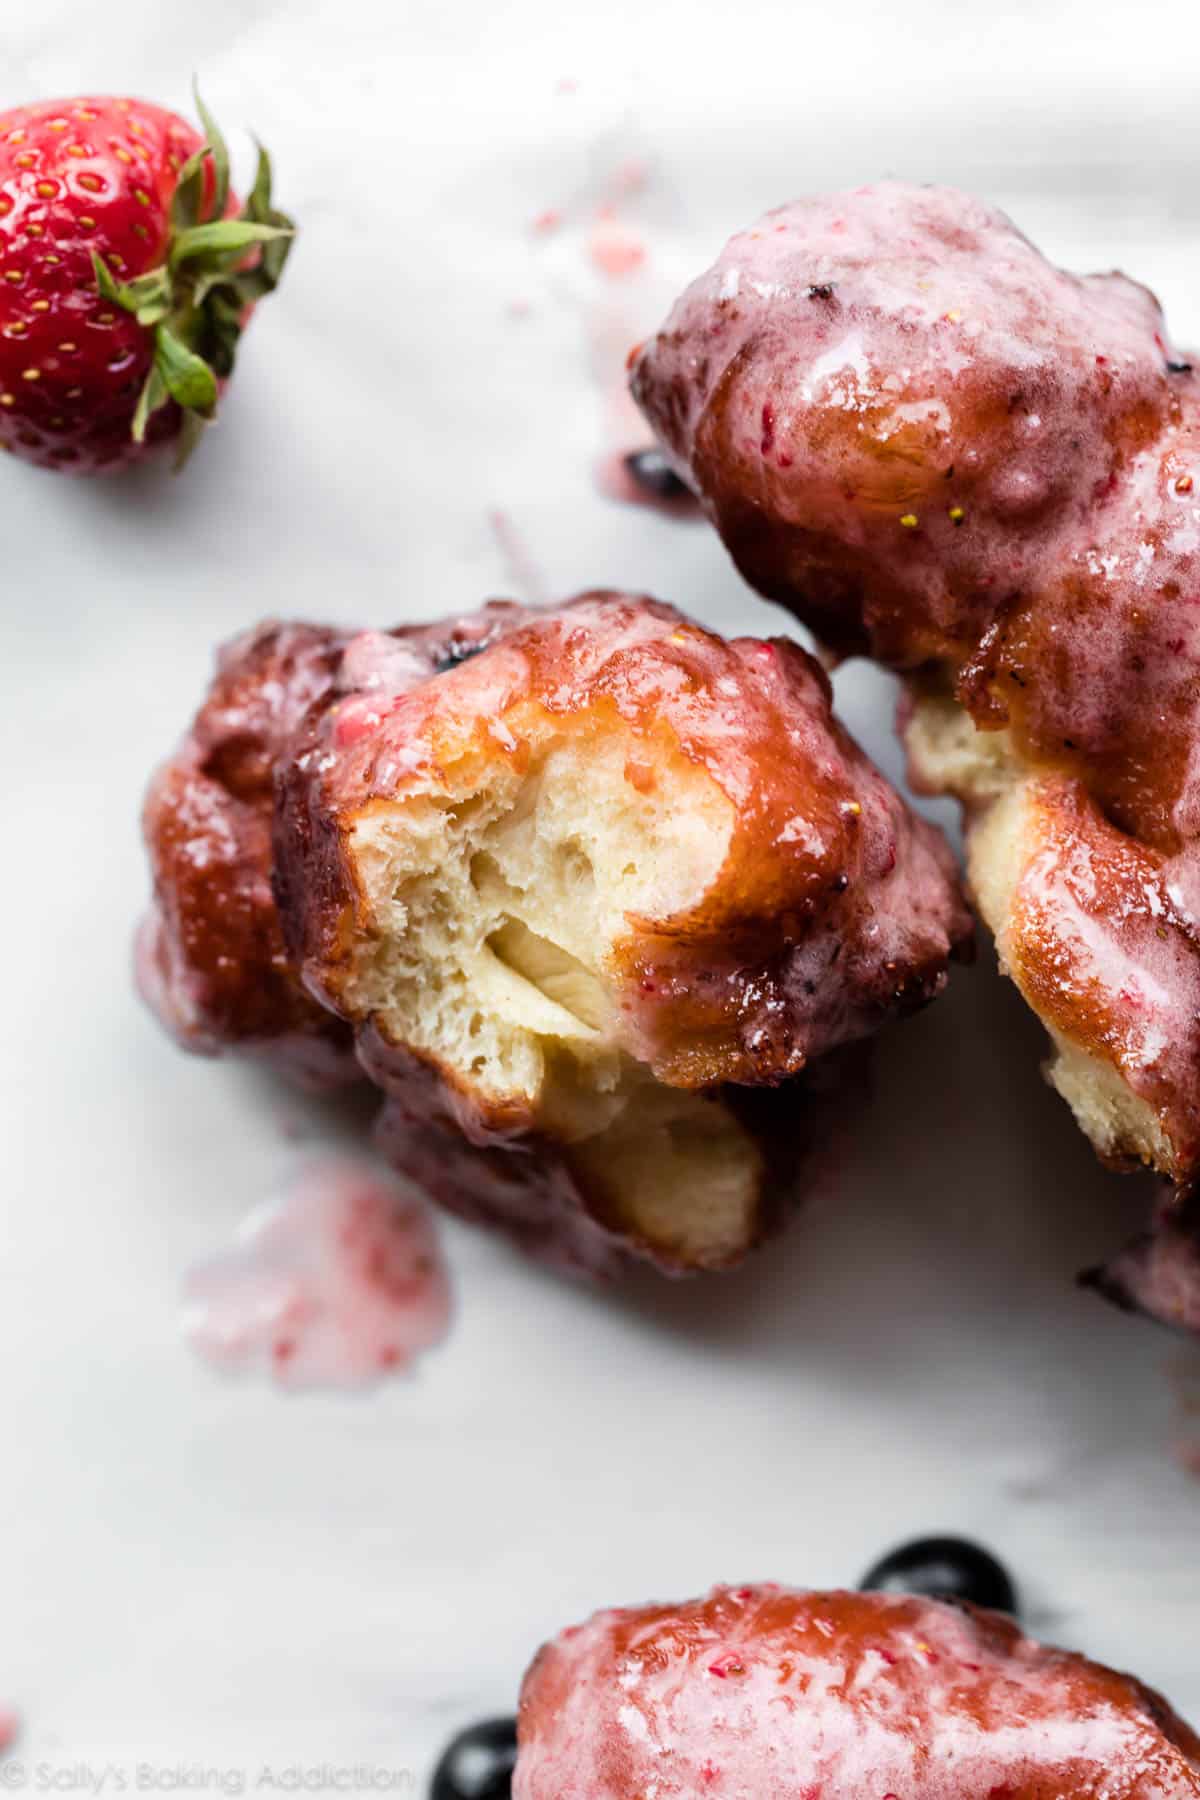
(478, 1764)
(654, 474)
(455, 652)
(944, 1568)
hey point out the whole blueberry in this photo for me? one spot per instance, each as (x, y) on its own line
(453, 653)
(478, 1764)
(654, 475)
(944, 1568)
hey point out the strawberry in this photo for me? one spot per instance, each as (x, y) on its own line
(127, 271)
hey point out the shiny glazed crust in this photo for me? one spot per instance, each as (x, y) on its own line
(210, 955)
(775, 1693)
(572, 880)
(937, 448)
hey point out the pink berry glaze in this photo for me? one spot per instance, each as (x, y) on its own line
(935, 446)
(765, 1693)
(835, 910)
(337, 1282)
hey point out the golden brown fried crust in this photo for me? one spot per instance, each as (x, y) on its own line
(835, 908)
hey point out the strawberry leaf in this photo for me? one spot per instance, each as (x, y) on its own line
(109, 287)
(191, 430)
(152, 396)
(196, 304)
(188, 197)
(207, 282)
(258, 206)
(147, 297)
(264, 278)
(186, 376)
(147, 289)
(219, 151)
(223, 237)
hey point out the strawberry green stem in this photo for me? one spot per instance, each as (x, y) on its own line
(197, 300)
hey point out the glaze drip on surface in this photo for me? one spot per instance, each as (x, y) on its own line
(336, 1282)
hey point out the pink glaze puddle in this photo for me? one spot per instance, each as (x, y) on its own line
(336, 1283)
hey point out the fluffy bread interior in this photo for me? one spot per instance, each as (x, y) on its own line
(948, 754)
(495, 903)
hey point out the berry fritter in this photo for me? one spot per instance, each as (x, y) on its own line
(576, 883)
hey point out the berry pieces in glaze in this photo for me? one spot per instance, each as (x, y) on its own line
(772, 1693)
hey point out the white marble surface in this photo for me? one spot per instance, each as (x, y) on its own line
(204, 1573)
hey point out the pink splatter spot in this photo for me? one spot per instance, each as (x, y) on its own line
(615, 250)
(332, 1284)
(10, 1726)
(566, 84)
(547, 221)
